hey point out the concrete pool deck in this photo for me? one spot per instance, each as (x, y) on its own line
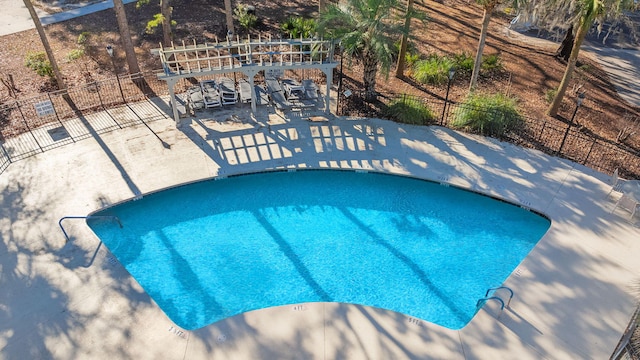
(69, 300)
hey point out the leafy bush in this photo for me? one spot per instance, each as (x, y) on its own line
(83, 38)
(490, 115)
(464, 63)
(411, 59)
(75, 54)
(247, 19)
(409, 110)
(411, 49)
(549, 95)
(155, 23)
(433, 71)
(297, 27)
(492, 63)
(38, 62)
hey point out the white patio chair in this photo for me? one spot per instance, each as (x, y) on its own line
(616, 183)
(628, 203)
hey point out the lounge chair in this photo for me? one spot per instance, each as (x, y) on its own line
(311, 90)
(244, 88)
(616, 183)
(210, 93)
(277, 94)
(293, 89)
(262, 96)
(194, 98)
(628, 203)
(228, 92)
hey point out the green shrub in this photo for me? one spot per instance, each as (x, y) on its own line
(549, 95)
(38, 62)
(156, 23)
(297, 27)
(246, 19)
(411, 59)
(75, 54)
(409, 110)
(83, 38)
(463, 63)
(433, 71)
(396, 49)
(490, 115)
(492, 63)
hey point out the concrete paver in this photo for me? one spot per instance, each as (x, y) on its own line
(74, 300)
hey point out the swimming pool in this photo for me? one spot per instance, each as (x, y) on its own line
(210, 250)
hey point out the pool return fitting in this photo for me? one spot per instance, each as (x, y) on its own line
(114, 218)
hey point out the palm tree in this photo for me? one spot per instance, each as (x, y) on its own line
(366, 29)
(403, 42)
(488, 6)
(585, 13)
(45, 43)
(125, 36)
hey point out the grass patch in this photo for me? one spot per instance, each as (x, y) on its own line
(409, 110)
(38, 62)
(490, 115)
(297, 27)
(492, 63)
(464, 63)
(433, 71)
(549, 95)
(75, 54)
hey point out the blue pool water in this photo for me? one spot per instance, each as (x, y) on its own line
(214, 249)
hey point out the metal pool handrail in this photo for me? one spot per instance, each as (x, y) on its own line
(491, 298)
(86, 217)
(498, 288)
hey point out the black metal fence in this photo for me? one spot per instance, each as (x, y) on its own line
(34, 125)
(545, 135)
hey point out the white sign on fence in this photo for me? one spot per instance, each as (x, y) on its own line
(44, 108)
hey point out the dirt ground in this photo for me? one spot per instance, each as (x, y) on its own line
(530, 69)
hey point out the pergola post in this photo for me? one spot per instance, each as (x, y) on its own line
(327, 96)
(172, 99)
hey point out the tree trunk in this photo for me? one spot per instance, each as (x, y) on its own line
(370, 70)
(229, 12)
(125, 36)
(483, 37)
(571, 64)
(166, 10)
(322, 4)
(403, 42)
(45, 43)
(564, 51)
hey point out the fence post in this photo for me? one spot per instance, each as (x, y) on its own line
(564, 138)
(26, 124)
(584, 162)
(55, 111)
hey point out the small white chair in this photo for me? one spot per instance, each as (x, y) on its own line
(628, 203)
(616, 183)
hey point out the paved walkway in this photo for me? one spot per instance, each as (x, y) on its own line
(73, 299)
(15, 16)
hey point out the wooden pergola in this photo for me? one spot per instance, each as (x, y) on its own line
(247, 56)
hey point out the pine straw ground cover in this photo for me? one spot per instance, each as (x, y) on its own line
(530, 69)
